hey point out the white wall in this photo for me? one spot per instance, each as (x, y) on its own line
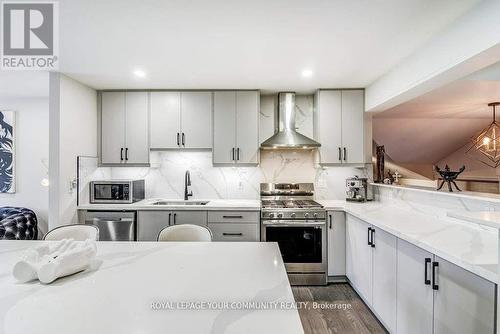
(73, 119)
(31, 154)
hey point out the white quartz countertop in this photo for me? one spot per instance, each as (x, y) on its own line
(212, 205)
(488, 218)
(470, 246)
(118, 297)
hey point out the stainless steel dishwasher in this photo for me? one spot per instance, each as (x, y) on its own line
(113, 225)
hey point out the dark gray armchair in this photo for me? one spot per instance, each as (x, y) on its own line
(18, 224)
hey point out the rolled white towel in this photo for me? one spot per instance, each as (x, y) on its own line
(26, 268)
(51, 261)
(76, 257)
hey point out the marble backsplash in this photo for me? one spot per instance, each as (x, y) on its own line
(434, 203)
(165, 177)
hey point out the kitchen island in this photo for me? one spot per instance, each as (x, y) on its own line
(145, 287)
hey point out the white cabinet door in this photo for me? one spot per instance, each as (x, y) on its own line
(414, 294)
(247, 127)
(359, 257)
(112, 127)
(384, 277)
(165, 119)
(336, 243)
(353, 126)
(224, 127)
(329, 125)
(150, 223)
(189, 217)
(463, 302)
(137, 128)
(196, 119)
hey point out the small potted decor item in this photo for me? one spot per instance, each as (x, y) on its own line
(449, 177)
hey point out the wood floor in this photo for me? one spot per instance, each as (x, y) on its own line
(347, 313)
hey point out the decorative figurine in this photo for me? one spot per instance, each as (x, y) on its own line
(396, 176)
(380, 163)
(389, 179)
(449, 177)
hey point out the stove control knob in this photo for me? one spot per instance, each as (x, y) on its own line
(280, 215)
(292, 215)
(306, 215)
(271, 215)
(315, 215)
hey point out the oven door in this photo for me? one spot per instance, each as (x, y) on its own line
(302, 244)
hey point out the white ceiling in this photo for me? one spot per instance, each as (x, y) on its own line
(432, 126)
(244, 44)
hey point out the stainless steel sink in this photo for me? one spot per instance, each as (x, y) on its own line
(174, 203)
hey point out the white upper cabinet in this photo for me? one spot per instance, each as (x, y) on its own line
(165, 119)
(112, 127)
(136, 128)
(196, 119)
(181, 120)
(342, 127)
(236, 127)
(124, 128)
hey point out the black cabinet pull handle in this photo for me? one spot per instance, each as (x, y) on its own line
(183, 139)
(330, 226)
(232, 234)
(239, 217)
(369, 233)
(175, 218)
(126, 154)
(233, 154)
(373, 237)
(427, 281)
(169, 216)
(121, 154)
(340, 154)
(435, 265)
(345, 154)
(178, 142)
(238, 154)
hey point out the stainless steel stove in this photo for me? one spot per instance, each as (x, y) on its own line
(290, 217)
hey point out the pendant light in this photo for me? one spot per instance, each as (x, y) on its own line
(487, 142)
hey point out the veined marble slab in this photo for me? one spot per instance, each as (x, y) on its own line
(212, 205)
(488, 218)
(118, 297)
(472, 247)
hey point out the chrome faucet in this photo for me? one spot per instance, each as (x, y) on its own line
(187, 183)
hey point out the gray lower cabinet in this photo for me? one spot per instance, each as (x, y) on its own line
(234, 225)
(413, 291)
(150, 223)
(336, 243)
(234, 232)
(463, 302)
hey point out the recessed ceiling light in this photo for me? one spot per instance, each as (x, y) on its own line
(139, 73)
(307, 73)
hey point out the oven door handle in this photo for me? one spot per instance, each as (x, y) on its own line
(290, 224)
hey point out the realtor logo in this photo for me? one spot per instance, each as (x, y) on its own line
(29, 35)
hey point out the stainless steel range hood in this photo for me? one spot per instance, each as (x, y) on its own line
(287, 137)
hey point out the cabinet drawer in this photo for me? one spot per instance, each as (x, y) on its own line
(233, 216)
(234, 232)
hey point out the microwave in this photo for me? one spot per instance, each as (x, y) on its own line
(116, 192)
